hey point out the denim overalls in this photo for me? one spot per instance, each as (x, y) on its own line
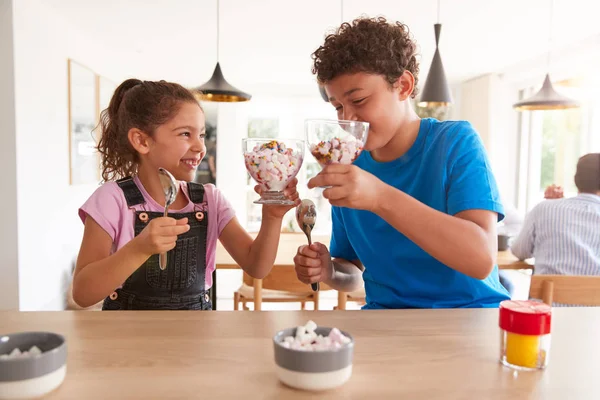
(181, 285)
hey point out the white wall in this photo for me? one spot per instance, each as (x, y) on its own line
(232, 126)
(9, 295)
(49, 230)
(486, 102)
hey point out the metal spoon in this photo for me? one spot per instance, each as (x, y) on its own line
(306, 216)
(169, 186)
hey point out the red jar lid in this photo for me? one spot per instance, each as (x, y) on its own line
(525, 317)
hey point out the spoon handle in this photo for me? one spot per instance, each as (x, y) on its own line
(314, 286)
(162, 259)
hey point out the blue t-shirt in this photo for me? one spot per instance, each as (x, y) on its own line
(447, 169)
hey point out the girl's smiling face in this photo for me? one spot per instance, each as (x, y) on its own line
(178, 145)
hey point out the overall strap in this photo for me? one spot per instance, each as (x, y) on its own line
(131, 191)
(196, 192)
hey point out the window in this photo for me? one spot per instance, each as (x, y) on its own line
(263, 127)
(552, 141)
(561, 147)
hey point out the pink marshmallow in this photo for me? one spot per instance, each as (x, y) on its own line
(307, 340)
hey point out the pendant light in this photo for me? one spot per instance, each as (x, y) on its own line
(547, 98)
(321, 87)
(436, 91)
(217, 88)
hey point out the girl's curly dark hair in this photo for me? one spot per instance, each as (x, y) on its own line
(371, 45)
(135, 104)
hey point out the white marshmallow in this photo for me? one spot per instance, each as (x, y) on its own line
(310, 326)
(17, 353)
(306, 339)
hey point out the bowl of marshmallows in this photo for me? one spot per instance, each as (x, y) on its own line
(32, 364)
(312, 357)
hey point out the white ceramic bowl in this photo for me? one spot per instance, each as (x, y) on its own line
(34, 375)
(312, 370)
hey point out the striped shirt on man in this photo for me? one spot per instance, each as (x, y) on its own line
(563, 235)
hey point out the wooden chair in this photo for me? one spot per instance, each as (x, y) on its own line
(566, 289)
(357, 296)
(280, 286)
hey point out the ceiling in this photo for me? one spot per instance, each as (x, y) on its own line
(265, 45)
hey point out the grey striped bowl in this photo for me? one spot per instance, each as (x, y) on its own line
(32, 376)
(312, 370)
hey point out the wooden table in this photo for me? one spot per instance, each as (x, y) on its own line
(507, 260)
(411, 354)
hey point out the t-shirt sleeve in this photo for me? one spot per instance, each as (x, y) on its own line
(471, 183)
(225, 211)
(340, 246)
(105, 207)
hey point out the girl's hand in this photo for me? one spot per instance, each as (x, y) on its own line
(160, 235)
(290, 193)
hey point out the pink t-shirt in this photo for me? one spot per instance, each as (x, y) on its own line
(108, 207)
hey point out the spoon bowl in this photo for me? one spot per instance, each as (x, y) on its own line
(306, 216)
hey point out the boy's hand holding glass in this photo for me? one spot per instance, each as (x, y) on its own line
(349, 186)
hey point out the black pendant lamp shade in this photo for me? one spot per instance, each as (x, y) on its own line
(219, 90)
(546, 99)
(436, 91)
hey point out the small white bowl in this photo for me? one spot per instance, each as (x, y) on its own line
(312, 370)
(33, 375)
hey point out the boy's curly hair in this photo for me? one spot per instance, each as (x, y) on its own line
(371, 45)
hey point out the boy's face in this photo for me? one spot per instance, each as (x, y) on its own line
(178, 145)
(369, 98)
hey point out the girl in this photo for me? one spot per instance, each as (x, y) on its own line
(415, 215)
(146, 126)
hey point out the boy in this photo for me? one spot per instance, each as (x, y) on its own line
(415, 215)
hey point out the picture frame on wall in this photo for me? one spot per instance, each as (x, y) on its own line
(84, 161)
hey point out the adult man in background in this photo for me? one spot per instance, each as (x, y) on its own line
(563, 234)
